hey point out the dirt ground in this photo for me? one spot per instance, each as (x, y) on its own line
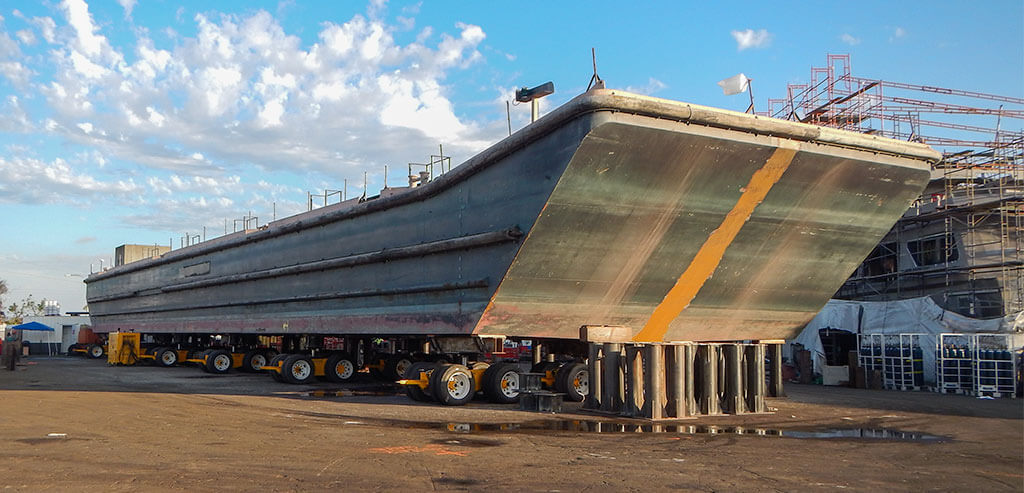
(176, 429)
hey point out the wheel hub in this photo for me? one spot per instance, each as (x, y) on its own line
(300, 370)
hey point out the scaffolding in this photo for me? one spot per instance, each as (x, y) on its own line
(962, 241)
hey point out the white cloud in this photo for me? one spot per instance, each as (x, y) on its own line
(26, 37)
(749, 38)
(128, 6)
(195, 119)
(897, 32)
(653, 85)
(47, 28)
(28, 180)
(13, 117)
(78, 16)
(15, 72)
(849, 39)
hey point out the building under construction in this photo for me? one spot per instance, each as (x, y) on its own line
(961, 242)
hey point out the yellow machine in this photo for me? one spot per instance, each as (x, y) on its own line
(123, 348)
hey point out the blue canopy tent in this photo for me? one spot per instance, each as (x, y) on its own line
(34, 326)
(38, 327)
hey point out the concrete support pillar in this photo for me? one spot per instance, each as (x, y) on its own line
(734, 403)
(708, 356)
(675, 358)
(654, 381)
(595, 368)
(613, 392)
(633, 382)
(690, 384)
(755, 387)
(775, 387)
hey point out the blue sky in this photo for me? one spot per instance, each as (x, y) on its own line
(136, 121)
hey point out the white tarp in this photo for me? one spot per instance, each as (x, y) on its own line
(911, 316)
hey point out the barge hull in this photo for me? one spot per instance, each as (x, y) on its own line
(676, 221)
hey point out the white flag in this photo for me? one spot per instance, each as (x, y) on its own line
(734, 85)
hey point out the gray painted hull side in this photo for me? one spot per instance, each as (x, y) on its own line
(441, 289)
(588, 217)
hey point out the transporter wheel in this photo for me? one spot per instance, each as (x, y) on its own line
(95, 351)
(253, 360)
(218, 362)
(452, 385)
(167, 356)
(273, 362)
(297, 369)
(501, 383)
(413, 373)
(397, 365)
(573, 379)
(340, 367)
(71, 349)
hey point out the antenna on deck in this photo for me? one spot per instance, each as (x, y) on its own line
(596, 82)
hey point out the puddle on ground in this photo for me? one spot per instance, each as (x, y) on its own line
(615, 427)
(594, 426)
(42, 440)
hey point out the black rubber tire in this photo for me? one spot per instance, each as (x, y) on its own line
(95, 351)
(544, 367)
(169, 361)
(573, 380)
(460, 377)
(253, 360)
(273, 362)
(297, 369)
(396, 366)
(492, 382)
(340, 368)
(413, 373)
(219, 362)
(71, 350)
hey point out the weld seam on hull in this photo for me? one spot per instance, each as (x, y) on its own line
(471, 241)
(432, 288)
(711, 252)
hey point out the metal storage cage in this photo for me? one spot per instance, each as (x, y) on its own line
(904, 362)
(899, 357)
(870, 353)
(954, 364)
(996, 365)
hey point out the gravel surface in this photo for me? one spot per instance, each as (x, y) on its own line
(75, 424)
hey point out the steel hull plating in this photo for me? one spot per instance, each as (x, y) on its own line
(677, 221)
